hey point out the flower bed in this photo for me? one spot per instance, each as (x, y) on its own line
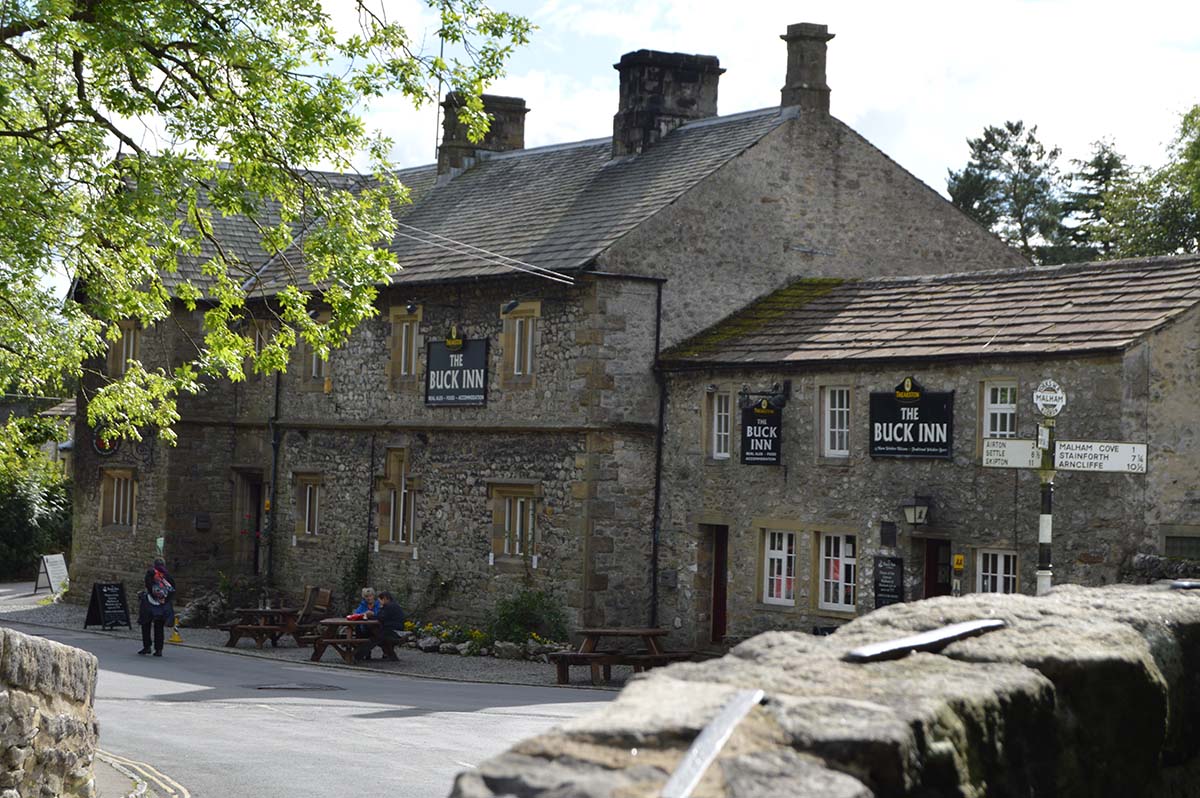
(441, 638)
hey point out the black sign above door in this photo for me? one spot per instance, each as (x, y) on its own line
(762, 430)
(457, 374)
(912, 422)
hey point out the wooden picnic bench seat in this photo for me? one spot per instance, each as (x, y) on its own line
(260, 632)
(604, 660)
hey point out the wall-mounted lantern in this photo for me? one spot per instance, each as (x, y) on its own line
(918, 511)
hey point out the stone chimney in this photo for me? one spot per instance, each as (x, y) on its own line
(506, 133)
(805, 85)
(660, 92)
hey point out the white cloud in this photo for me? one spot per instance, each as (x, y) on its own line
(918, 79)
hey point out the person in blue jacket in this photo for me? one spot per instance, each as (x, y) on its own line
(369, 603)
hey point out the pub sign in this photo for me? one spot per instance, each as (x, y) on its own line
(762, 428)
(457, 372)
(912, 422)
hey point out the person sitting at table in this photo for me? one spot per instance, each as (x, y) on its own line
(369, 602)
(391, 623)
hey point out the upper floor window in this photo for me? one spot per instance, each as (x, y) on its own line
(721, 421)
(315, 371)
(1000, 409)
(520, 342)
(118, 494)
(996, 571)
(839, 571)
(397, 514)
(406, 344)
(835, 421)
(779, 567)
(124, 349)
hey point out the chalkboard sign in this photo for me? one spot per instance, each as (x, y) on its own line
(108, 608)
(52, 573)
(889, 581)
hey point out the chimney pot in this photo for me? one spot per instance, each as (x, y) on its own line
(507, 131)
(805, 85)
(660, 92)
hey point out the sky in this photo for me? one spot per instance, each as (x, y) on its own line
(917, 79)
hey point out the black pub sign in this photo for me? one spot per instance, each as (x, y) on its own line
(912, 422)
(457, 372)
(762, 429)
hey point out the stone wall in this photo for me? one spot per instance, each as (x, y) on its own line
(812, 199)
(48, 729)
(1098, 522)
(1087, 692)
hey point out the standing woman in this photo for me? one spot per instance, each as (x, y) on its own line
(157, 607)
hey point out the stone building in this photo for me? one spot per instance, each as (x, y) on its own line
(497, 424)
(882, 393)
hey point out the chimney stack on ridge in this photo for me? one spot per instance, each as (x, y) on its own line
(805, 85)
(507, 131)
(660, 92)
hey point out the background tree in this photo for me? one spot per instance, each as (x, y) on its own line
(1089, 223)
(128, 126)
(1157, 211)
(1011, 186)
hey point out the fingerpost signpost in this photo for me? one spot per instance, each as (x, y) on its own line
(1048, 455)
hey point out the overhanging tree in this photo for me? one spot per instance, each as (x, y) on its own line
(241, 96)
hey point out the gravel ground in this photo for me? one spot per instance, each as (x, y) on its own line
(26, 609)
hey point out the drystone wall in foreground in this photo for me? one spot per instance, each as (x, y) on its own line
(47, 724)
(1087, 692)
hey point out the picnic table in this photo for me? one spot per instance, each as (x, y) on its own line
(263, 624)
(339, 634)
(599, 661)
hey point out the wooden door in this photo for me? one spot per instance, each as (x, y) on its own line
(720, 581)
(937, 568)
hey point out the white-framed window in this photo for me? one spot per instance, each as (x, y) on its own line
(318, 366)
(312, 508)
(722, 421)
(407, 354)
(124, 349)
(779, 567)
(308, 504)
(836, 421)
(996, 571)
(1000, 409)
(117, 496)
(839, 571)
(523, 345)
(519, 337)
(519, 524)
(400, 523)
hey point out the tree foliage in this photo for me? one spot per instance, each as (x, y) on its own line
(1102, 209)
(129, 127)
(35, 506)
(1009, 185)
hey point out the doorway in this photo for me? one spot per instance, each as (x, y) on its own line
(247, 531)
(720, 582)
(937, 567)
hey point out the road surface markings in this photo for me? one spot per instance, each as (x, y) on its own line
(160, 782)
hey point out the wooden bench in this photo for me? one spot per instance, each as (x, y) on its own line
(347, 647)
(604, 660)
(260, 632)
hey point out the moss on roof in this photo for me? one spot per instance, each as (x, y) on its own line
(755, 316)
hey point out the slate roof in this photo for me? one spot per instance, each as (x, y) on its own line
(1069, 309)
(240, 239)
(556, 207)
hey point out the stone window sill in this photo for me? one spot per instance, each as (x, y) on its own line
(762, 605)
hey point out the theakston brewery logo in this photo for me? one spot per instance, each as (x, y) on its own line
(104, 444)
(908, 391)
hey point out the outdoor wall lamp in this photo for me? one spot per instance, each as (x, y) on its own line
(917, 512)
(510, 306)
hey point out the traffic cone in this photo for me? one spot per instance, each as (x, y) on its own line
(175, 638)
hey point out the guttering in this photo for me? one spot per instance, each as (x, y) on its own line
(273, 427)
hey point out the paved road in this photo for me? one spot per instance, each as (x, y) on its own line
(206, 720)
